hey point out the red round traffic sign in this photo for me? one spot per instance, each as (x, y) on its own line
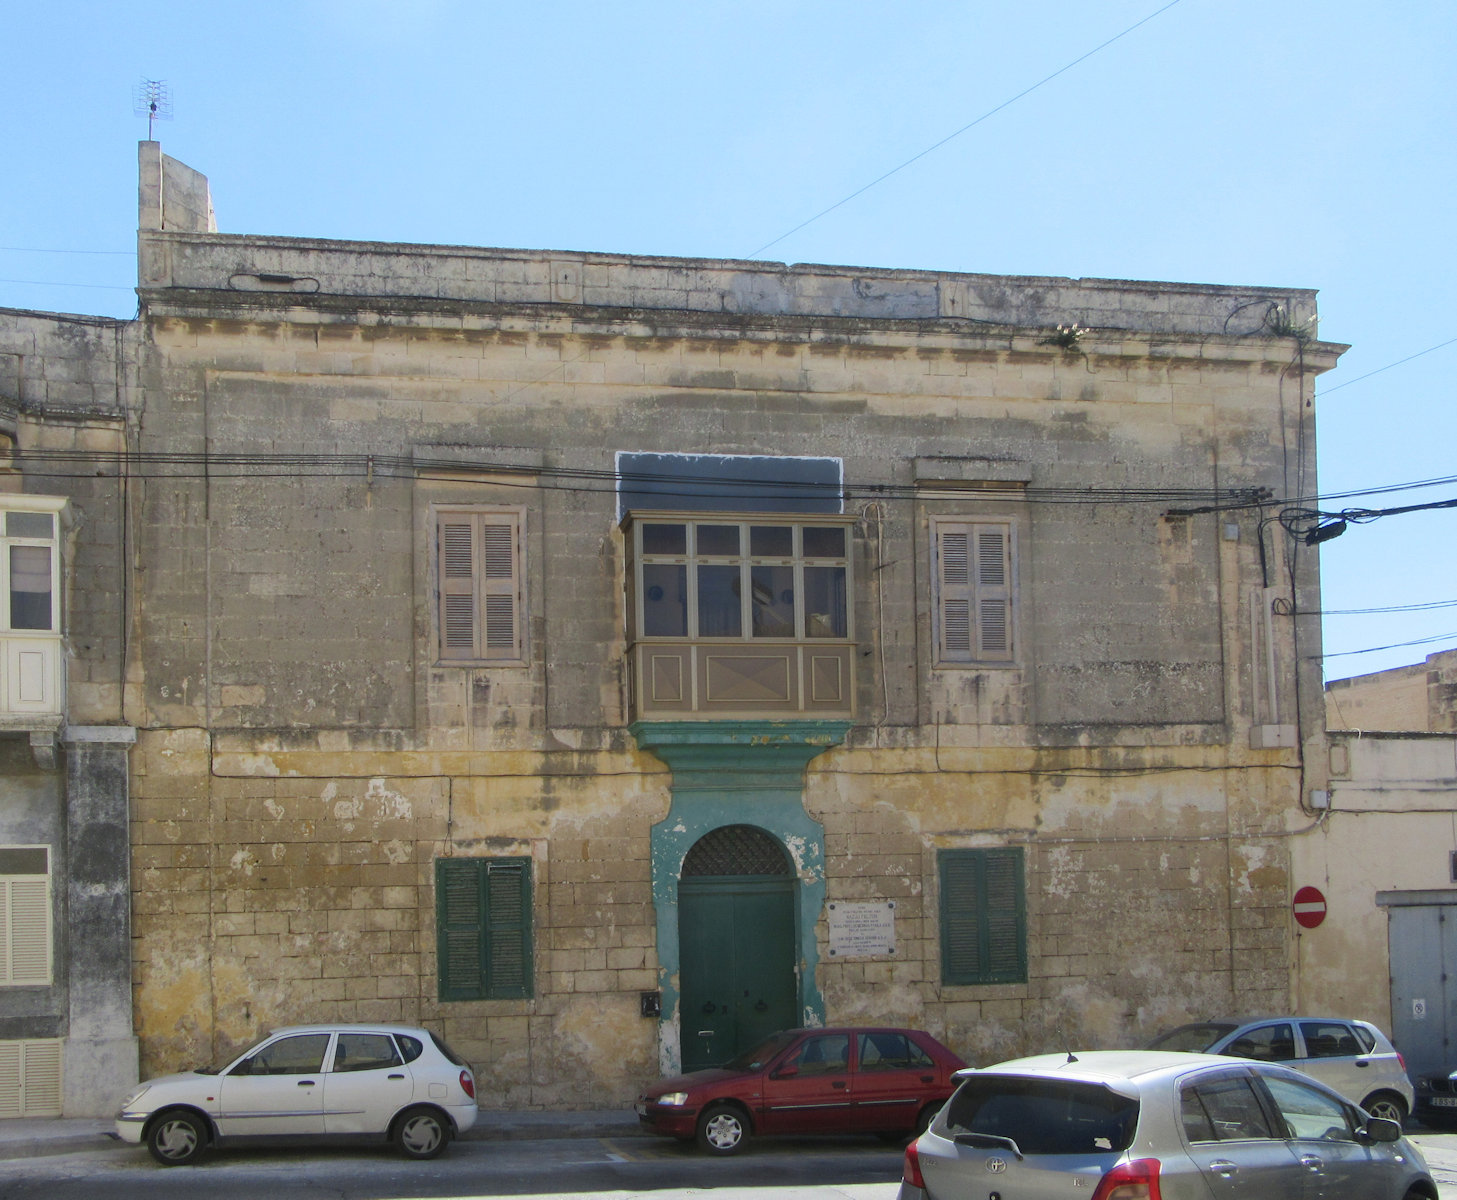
(1309, 907)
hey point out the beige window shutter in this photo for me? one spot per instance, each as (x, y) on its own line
(954, 592)
(27, 917)
(993, 593)
(480, 587)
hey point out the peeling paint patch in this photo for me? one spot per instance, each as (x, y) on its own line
(392, 805)
(245, 861)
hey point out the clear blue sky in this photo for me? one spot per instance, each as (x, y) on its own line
(1278, 142)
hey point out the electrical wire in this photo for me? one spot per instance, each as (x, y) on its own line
(970, 125)
(1399, 362)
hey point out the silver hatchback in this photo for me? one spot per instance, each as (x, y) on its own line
(1354, 1057)
(1149, 1125)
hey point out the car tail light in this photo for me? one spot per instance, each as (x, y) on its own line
(467, 1084)
(911, 1173)
(1136, 1180)
(1401, 1061)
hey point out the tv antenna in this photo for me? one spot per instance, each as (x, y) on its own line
(153, 100)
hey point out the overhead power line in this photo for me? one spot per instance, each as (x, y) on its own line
(1399, 362)
(991, 112)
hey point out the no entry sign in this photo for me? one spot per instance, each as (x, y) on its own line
(1309, 907)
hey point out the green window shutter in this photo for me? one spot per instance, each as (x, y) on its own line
(508, 899)
(983, 916)
(483, 928)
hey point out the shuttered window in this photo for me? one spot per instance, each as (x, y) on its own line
(483, 928)
(983, 916)
(30, 1078)
(481, 589)
(25, 916)
(974, 592)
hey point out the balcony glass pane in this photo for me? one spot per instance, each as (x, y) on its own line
(771, 541)
(665, 600)
(718, 539)
(773, 595)
(821, 542)
(30, 587)
(720, 610)
(665, 539)
(29, 525)
(824, 603)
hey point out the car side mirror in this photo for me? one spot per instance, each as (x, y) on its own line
(1382, 1129)
(788, 1072)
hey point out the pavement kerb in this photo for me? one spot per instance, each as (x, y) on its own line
(38, 1137)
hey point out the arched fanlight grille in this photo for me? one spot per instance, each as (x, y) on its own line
(736, 850)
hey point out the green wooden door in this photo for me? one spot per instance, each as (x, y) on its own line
(736, 938)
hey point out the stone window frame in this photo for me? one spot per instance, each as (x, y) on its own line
(983, 915)
(480, 585)
(974, 607)
(483, 928)
(25, 910)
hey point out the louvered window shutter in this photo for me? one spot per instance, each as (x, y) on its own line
(974, 593)
(993, 593)
(459, 928)
(983, 917)
(955, 596)
(483, 928)
(480, 587)
(508, 896)
(25, 915)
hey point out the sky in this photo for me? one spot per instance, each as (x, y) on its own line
(1285, 143)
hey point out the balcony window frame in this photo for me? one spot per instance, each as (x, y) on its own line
(693, 559)
(13, 510)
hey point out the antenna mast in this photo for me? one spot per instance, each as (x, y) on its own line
(153, 100)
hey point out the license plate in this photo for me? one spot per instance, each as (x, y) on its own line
(1444, 1101)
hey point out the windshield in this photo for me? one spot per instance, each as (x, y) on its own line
(1043, 1116)
(1192, 1039)
(758, 1058)
(231, 1057)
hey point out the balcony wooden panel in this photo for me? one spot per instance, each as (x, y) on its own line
(740, 679)
(32, 680)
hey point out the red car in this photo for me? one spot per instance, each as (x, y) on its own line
(861, 1080)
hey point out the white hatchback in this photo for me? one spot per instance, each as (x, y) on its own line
(314, 1082)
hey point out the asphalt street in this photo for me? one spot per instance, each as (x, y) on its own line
(587, 1168)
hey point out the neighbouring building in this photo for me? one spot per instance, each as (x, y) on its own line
(605, 660)
(66, 1028)
(1384, 851)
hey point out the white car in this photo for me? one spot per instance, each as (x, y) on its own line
(1354, 1057)
(310, 1081)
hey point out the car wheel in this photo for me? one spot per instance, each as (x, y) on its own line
(421, 1133)
(1387, 1105)
(723, 1129)
(176, 1138)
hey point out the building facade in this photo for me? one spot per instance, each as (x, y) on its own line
(607, 660)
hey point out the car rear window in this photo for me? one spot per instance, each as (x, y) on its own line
(410, 1047)
(1043, 1116)
(1192, 1039)
(450, 1055)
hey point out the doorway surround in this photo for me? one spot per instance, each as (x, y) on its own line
(736, 773)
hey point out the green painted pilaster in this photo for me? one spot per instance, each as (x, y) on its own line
(736, 773)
